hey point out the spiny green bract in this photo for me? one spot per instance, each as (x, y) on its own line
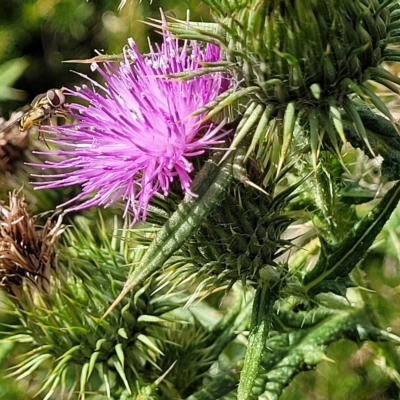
(296, 50)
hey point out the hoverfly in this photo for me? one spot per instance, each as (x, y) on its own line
(42, 108)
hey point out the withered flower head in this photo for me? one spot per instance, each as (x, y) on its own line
(26, 251)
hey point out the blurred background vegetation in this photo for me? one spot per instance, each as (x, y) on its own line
(36, 36)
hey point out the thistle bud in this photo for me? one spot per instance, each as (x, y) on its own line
(305, 64)
(289, 48)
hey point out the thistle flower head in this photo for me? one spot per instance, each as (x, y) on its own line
(136, 133)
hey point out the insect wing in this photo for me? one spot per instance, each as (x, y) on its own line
(39, 101)
(15, 122)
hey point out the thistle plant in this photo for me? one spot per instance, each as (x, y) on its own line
(216, 245)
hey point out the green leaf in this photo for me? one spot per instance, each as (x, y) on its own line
(92, 362)
(358, 124)
(377, 102)
(339, 260)
(10, 72)
(261, 128)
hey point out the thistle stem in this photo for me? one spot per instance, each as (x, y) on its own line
(261, 321)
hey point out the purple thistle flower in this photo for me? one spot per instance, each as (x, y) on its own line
(136, 134)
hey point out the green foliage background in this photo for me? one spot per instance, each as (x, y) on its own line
(35, 37)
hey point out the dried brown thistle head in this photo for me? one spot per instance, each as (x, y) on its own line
(26, 250)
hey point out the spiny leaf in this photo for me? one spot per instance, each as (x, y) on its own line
(389, 85)
(327, 123)
(120, 354)
(52, 388)
(106, 380)
(347, 82)
(51, 380)
(337, 261)
(281, 365)
(383, 74)
(31, 365)
(92, 362)
(145, 340)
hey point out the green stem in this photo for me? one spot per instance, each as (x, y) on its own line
(260, 324)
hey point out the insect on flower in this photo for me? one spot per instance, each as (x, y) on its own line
(135, 134)
(42, 108)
